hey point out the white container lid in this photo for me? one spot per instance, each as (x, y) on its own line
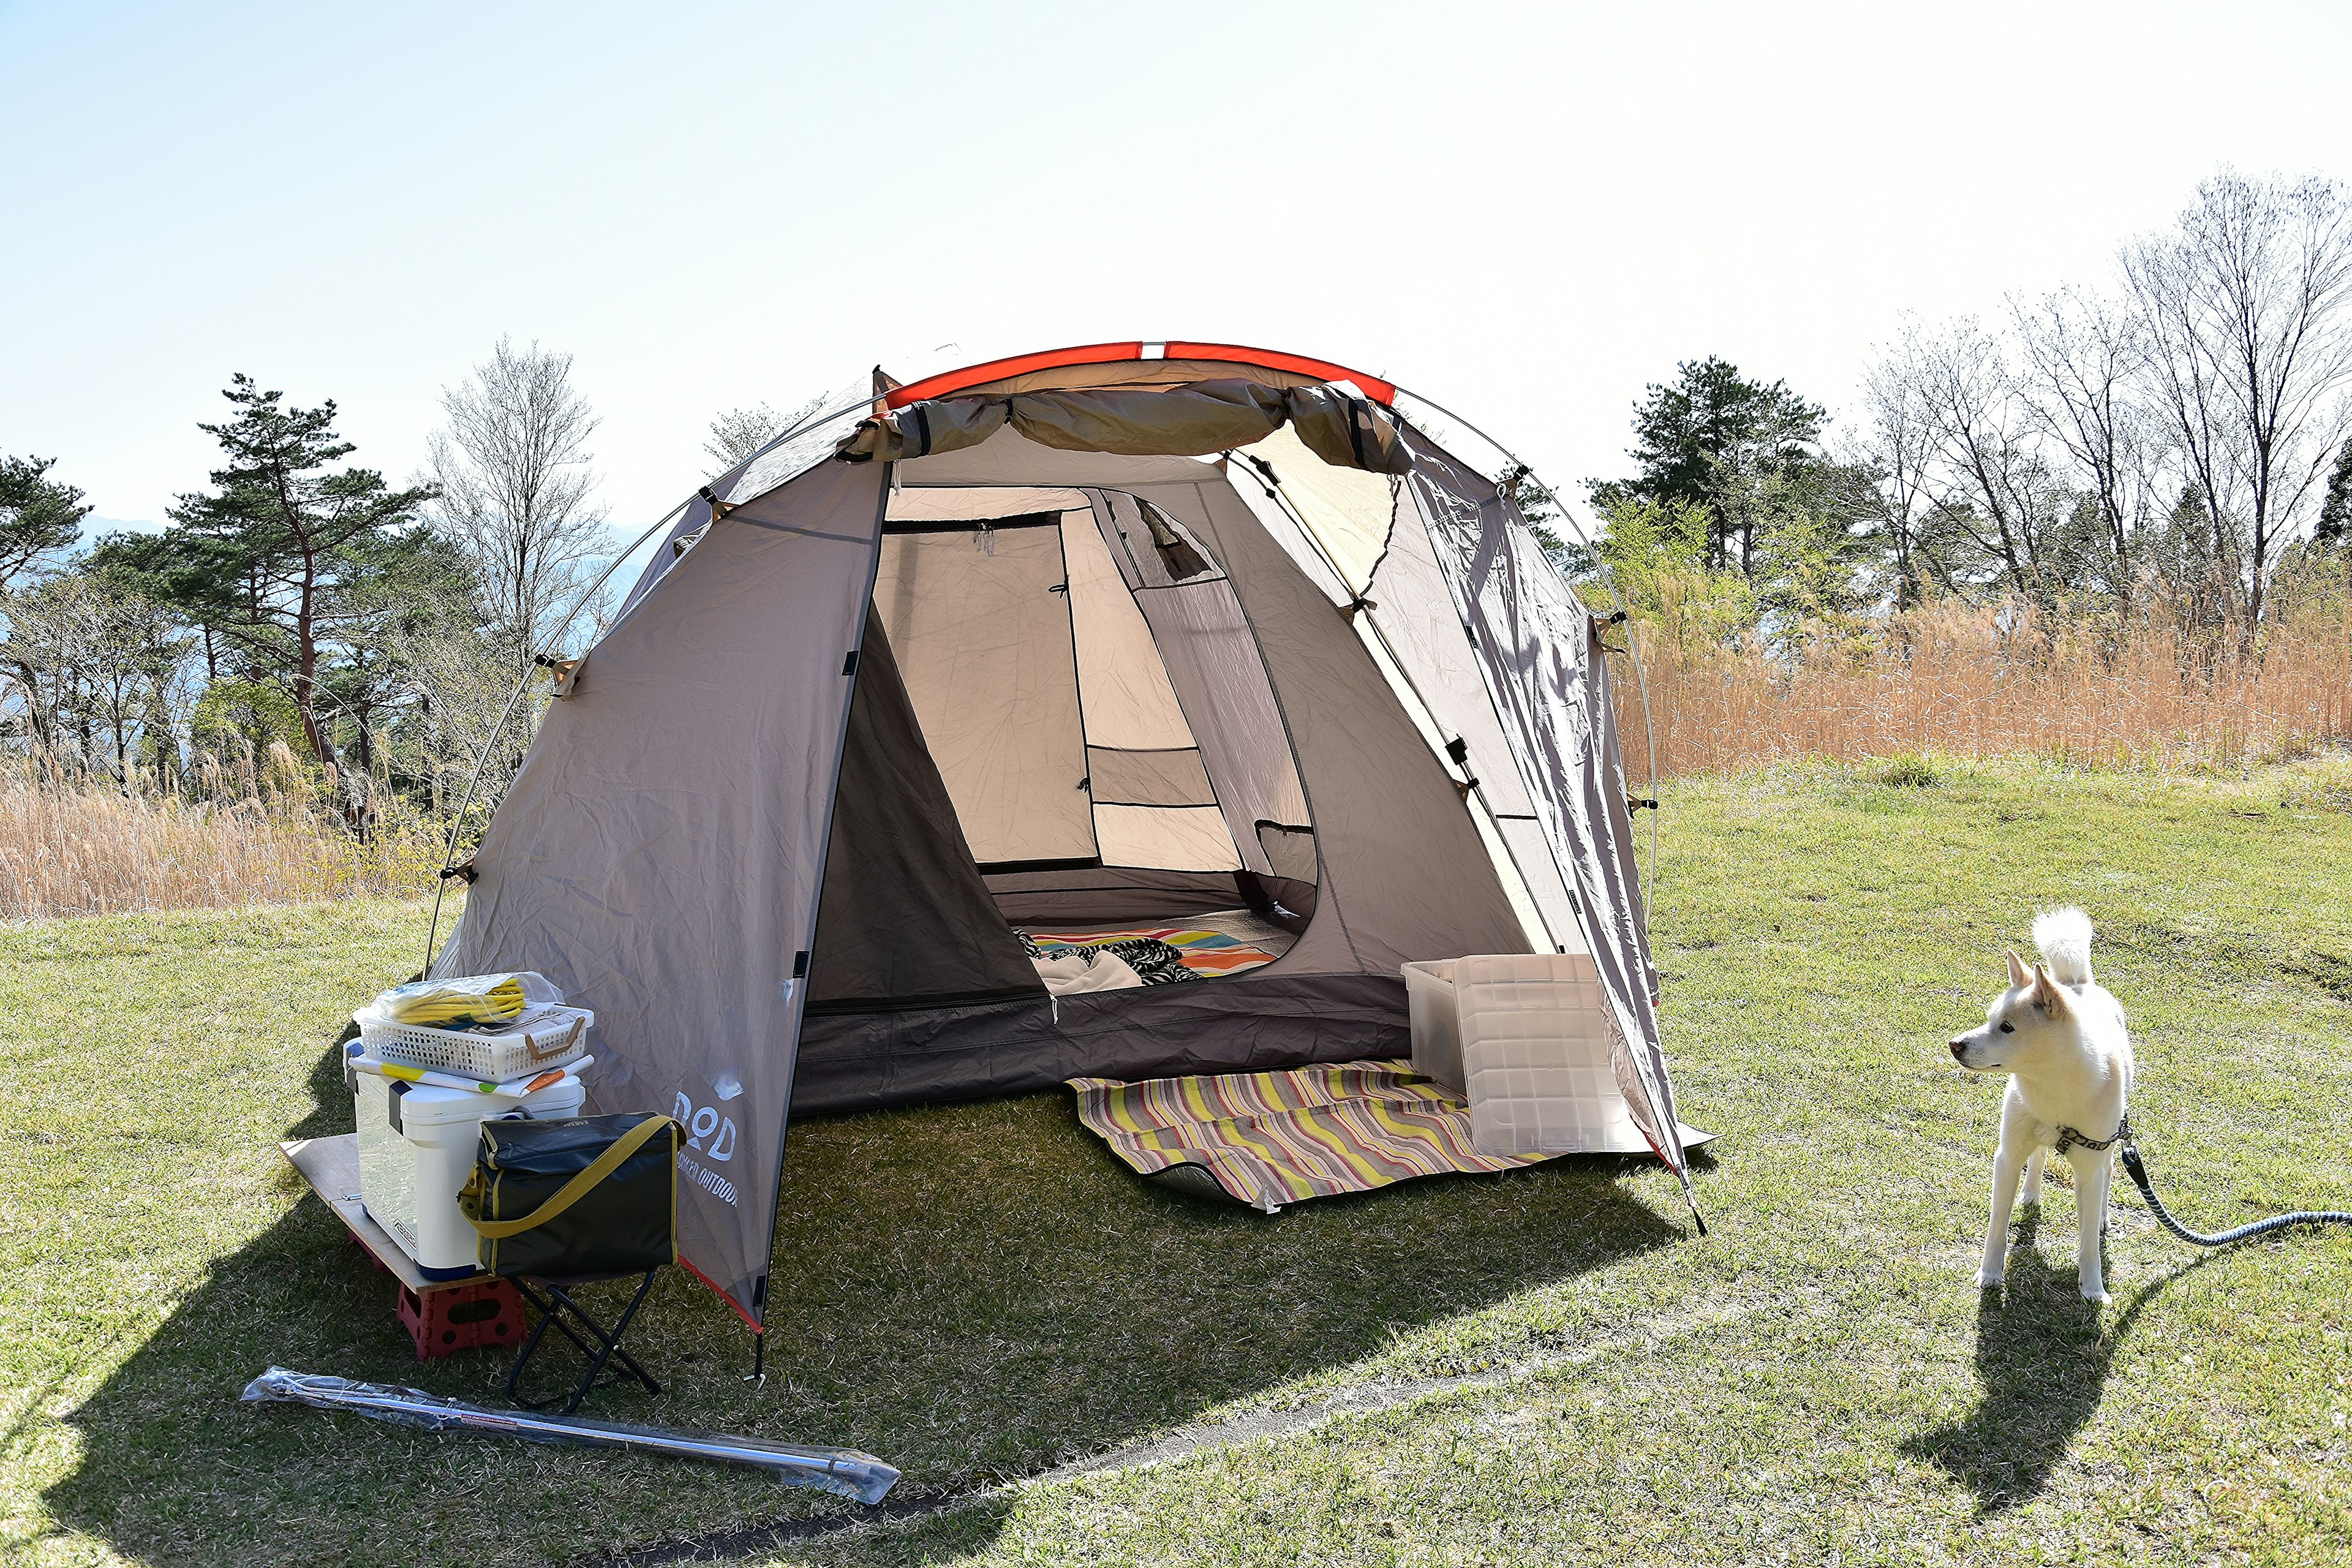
(424, 1105)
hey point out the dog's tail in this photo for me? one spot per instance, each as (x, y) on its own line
(2064, 938)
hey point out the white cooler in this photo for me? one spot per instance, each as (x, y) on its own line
(416, 1151)
(1524, 1038)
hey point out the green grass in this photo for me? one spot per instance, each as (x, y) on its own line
(1537, 1367)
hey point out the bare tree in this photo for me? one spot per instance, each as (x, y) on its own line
(2246, 301)
(737, 435)
(87, 658)
(2085, 368)
(1895, 443)
(512, 470)
(1988, 488)
(462, 683)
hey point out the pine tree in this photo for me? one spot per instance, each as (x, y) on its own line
(38, 516)
(2335, 529)
(258, 558)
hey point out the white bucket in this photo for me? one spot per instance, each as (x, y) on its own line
(417, 1152)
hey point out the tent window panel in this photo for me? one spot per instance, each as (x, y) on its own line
(1121, 681)
(1149, 778)
(983, 644)
(1156, 549)
(1213, 658)
(1172, 839)
(1289, 849)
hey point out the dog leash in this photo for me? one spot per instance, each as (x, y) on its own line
(2068, 1137)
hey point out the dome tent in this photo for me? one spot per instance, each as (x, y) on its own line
(1091, 640)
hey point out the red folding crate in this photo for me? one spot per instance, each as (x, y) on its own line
(458, 1317)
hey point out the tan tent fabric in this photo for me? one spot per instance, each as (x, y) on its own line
(1191, 838)
(1149, 778)
(1390, 826)
(1122, 681)
(1351, 511)
(1208, 417)
(964, 504)
(1408, 625)
(1213, 664)
(983, 645)
(1412, 610)
(1010, 457)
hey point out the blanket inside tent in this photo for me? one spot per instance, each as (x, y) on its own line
(1206, 947)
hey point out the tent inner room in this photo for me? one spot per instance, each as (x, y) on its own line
(1066, 769)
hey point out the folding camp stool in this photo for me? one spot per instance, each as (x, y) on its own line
(551, 1294)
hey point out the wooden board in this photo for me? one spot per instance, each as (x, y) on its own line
(332, 1166)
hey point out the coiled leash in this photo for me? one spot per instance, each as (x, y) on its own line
(2129, 1154)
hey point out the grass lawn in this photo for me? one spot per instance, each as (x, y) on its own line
(1539, 1367)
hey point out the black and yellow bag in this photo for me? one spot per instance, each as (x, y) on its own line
(593, 1194)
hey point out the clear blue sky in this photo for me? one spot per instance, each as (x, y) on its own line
(1525, 213)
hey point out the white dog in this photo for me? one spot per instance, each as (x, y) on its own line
(2061, 1040)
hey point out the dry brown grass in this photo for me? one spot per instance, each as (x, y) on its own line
(82, 851)
(1944, 680)
(1963, 683)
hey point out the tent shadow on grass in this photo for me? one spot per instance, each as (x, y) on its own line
(974, 1292)
(2043, 1355)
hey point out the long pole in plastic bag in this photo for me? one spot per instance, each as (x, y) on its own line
(843, 1472)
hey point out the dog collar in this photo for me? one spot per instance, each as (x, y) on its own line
(2070, 1139)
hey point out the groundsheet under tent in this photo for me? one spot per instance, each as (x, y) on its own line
(1274, 1138)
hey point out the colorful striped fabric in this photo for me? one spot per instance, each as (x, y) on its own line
(1272, 1138)
(1208, 953)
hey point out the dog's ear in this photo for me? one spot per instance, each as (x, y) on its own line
(2018, 978)
(2046, 995)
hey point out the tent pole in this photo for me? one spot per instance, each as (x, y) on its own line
(797, 995)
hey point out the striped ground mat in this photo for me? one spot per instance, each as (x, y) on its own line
(1275, 1137)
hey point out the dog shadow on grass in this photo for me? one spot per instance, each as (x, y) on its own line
(974, 1292)
(2043, 1355)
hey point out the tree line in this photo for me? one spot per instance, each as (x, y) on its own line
(303, 626)
(2174, 446)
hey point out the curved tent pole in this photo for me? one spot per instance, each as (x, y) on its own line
(458, 823)
(1608, 580)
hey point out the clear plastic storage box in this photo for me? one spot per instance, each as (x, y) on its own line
(1524, 1038)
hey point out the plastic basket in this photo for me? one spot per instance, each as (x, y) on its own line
(542, 1037)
